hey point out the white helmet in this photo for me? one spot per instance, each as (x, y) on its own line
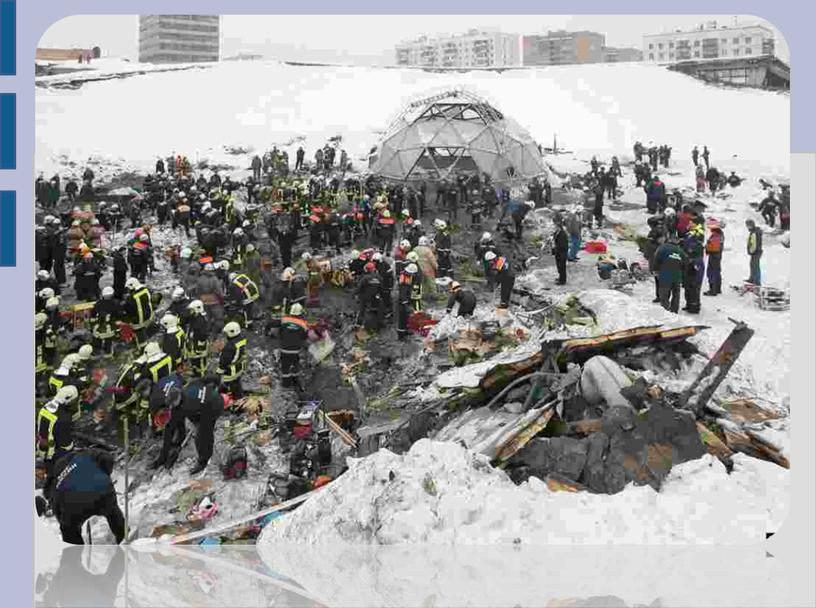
(405, 244)
(296, 310)
(246, 224)
(232, 329)
(250, 248)
(196, 306)
(107, 292)
(486, 236)
(530, 204)
(85, 352)
(417, 223)
(40, 319)
(209, 267)
(238, 232)
(178, 293)
(133, 284)
(70, 361)
(169, 322)
(288, 274)
(423, 240)
(66, 394)
(306, 256)
(489, 256)
(144, 237)
(355, 253)
(186, 253)
(43, 274)
(153, 352)
(377, 257)
(224, 265)
(412, 256)
(669, 211)
(440, 224)
(52, 303)
(46, 293)
(411, 269)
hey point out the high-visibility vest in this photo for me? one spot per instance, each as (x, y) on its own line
(40, 365)
(144, 308)
(161, 368)
(51, 417)
(123, 403)
(54, 384)
(247, 287)
(238, 364)
(297, 321)
(52, 421)
(180, 336)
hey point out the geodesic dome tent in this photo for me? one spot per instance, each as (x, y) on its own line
(456, 132)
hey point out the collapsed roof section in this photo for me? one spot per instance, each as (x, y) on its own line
(456, 132)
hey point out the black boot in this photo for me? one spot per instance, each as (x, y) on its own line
(198, 467)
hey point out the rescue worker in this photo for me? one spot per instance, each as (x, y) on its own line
(669, 262)
(401, 252)
(83, 488)
(104, 317)
(465, 298)
(443, 248)
(174, 339)
(120, 271)
(416, 282)
(87, 274)
(655, 191)
(386, 282)
(233, 359)
(369, 295)
(385, 231)
(695, 267)
(138, 308)
(243, 292)
(292, 290)
(293, 335)
(55, 433)
(404, 292)
(198, 332)
(179, 303)
(40, 359)
(480, 248)
(156, 365)
(714, 250)
(503, 274)
(201, 403)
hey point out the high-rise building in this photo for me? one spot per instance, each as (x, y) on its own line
(178, 38)
(562, 48)
(475, 49)
(709, 41)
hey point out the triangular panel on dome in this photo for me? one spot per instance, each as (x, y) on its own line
(446, 135)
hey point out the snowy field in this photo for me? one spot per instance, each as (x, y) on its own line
(592, 109)
(125, 124)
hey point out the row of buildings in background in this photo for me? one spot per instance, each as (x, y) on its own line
(493, 49)
(481, 49)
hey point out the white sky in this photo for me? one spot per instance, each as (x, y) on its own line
(367, 39)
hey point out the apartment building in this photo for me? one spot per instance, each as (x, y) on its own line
(708, 41)
(474, 49)
(563, 48)
(179, 38)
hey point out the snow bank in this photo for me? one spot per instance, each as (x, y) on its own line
(591, 108)
(441, 493)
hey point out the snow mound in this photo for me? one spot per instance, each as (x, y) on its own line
(441, 493)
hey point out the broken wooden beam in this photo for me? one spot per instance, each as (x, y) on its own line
(700, 391)
(584, 348)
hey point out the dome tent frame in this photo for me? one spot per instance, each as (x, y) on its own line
(456, 132)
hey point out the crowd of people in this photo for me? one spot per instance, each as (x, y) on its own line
(248, 261)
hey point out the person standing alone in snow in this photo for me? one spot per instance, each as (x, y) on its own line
(754, 251)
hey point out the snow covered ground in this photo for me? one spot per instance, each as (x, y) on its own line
(441, 493)
(591, 109)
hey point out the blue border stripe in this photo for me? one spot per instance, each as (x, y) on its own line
(8, 228)
(8, 38)
(8, 131)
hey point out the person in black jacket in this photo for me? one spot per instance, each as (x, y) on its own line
(71, 190)
(464, 297)
(560, 249)
(293, 335)
(443, 248)
(369, 294)
(83, 488)
(105, 314)
(201, 403)
(120, 272)
(669, 265)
